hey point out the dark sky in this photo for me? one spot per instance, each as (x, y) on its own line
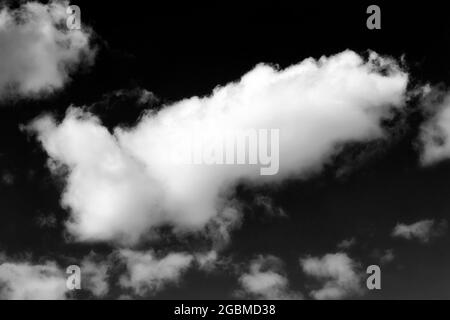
(182, 50)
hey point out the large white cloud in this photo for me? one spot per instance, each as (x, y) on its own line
(37, 51)
(339, 274)
(266, 279)
(121, 185)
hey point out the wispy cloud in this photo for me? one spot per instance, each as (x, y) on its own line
(423, 231)
(120, 185)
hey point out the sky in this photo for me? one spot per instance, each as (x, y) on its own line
(91, 118)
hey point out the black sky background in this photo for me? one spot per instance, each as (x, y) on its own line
(179, 50)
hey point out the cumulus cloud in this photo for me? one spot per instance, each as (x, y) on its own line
(340, 275)
(26, 281)
(265, 279)
(38, 52)
(147, 273)
(423, 230)
(122, 185)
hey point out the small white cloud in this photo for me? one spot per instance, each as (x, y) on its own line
(435, 132)
(146, 273)
(265, 279)
(422, 231)
(26, 281)
(339, 274)
(207, 261)
(38, 52)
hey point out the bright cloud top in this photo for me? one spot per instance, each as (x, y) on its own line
(339, 274)
(37, 51)
(120, 185)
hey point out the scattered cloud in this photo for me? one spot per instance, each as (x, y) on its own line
(26, 281)
(95, 275)
(120, 188)
(265, 279)
(38, 51)
(339, 274)
(423, 230)
(146, 273)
